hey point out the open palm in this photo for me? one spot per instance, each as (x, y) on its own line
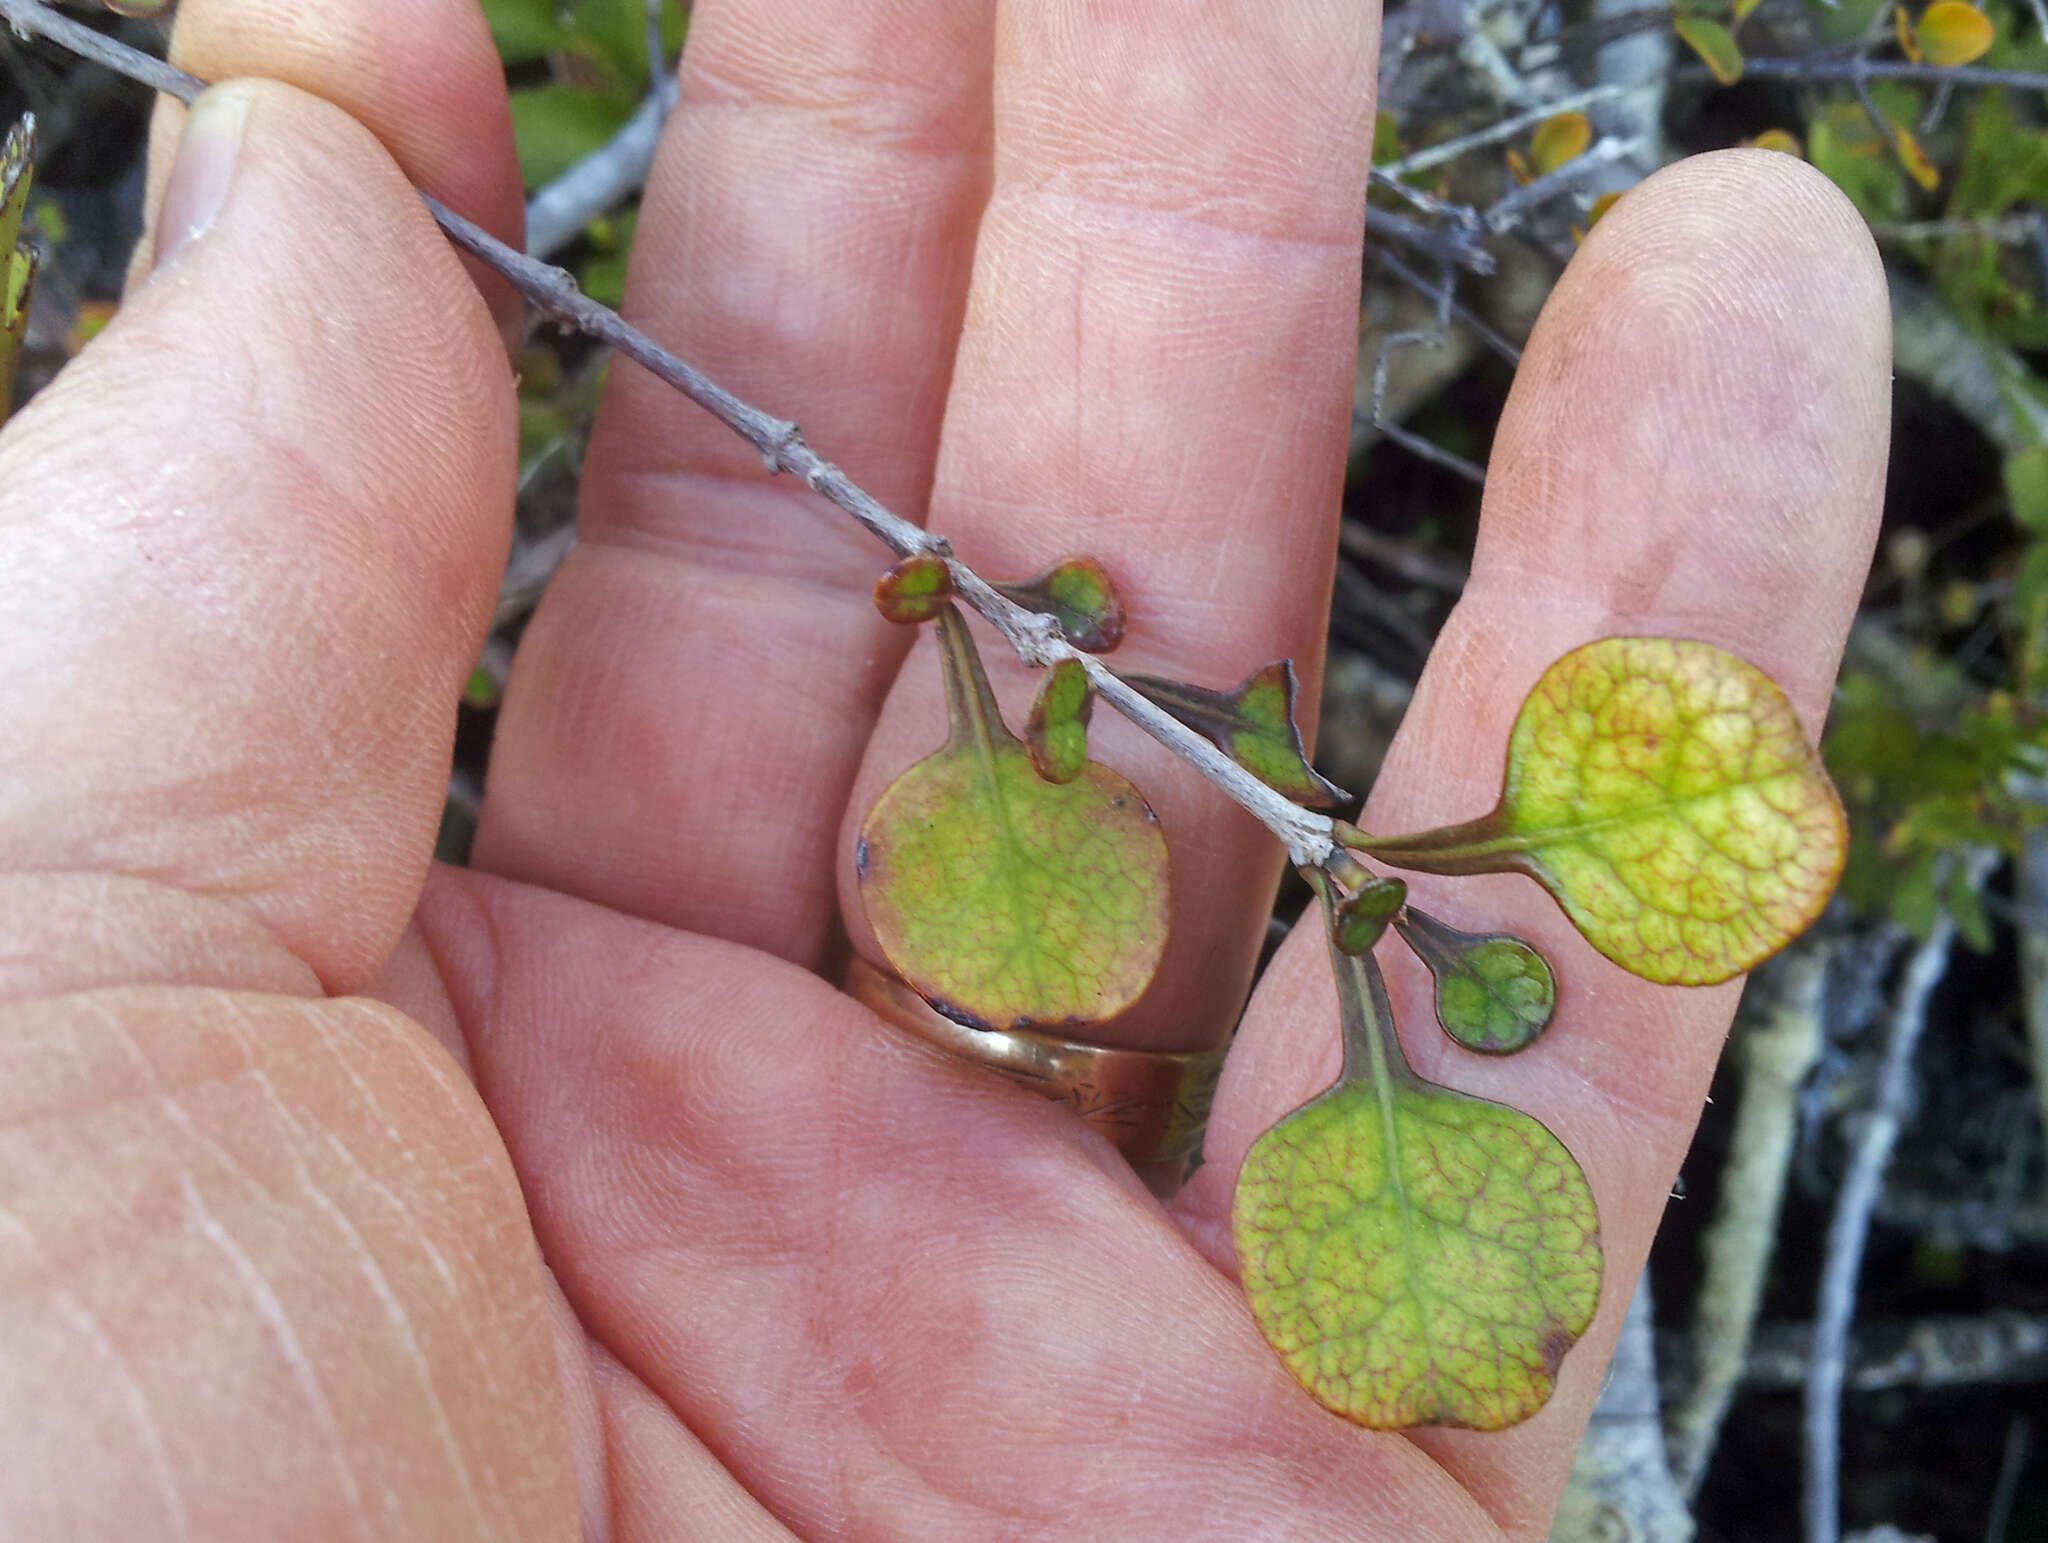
(666, 1233)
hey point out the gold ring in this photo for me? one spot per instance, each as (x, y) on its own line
(1152, 1104)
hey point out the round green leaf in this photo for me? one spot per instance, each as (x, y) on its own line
(1006, 900)
(1494, 993)
(1666, 795)
(1415, 1256)
(914, 590)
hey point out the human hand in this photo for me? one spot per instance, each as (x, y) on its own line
(274, 1257)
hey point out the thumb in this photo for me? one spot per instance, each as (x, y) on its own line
(250, 539)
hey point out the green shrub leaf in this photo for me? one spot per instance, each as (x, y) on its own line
(1415, 1256)
(1494, 992)
(1254, 725)
(1057, 735)
(915, 590)
(1006, 900)
(1361, 917)
(1664, 792)
(1715, 45)
(1076, 591)
(17, 171)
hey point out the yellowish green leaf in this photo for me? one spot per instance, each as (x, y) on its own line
(1253, 724)
(1776, 139)
(1744, 9)
(1664, 792)
(1361, 917)
(1953, 32)
(1715, 45)
(1560, 139)
(1914, 159)
(17, 283)
(1076, 592)
(2026, 488)
(1902, 28)
(1003, 899)
(1494, 992)
(1415, 1256)
(1057, 735)
(914, 590)
(1601, 205)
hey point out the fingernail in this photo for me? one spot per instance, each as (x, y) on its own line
(204, 171)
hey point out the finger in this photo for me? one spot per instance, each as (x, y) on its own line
(421, 75)
(892, 1296)
(256, 526)
(1157, 370)
(266, 1274)
(1695, 446)
(689, 705)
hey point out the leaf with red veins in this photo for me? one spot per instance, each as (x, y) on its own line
(1003, 899)
(1414, 1255)
(1664, 792)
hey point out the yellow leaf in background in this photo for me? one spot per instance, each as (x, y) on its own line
(1518, 168)
(1560, 139)
(1715, 45)
(1914, 159)
(1908, 45)
(1744, 8)
(1775, 139)
(1953, 32)
(1600, 207)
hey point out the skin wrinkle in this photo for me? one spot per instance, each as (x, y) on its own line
(651, 1335)
(380, 1287)
(277, 1324)
(132, 1395)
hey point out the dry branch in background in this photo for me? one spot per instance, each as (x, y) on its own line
(1779, 1049)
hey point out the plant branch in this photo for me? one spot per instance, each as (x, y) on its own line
(1854, 70)
(599, 182)
(1494, 133)
(1508, 211)
(1036, 637)
(1849, 1227)
(1777, 1052)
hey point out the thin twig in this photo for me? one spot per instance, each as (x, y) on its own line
(1876, 69)
(662, 84)
(1776, 1052)
(1493, 134)
(1376, 414)
(1452, 244)
(1306, 835)
(2013, 230)
(1849, 1228)
(2019, 1436)
(1994, 1349)
(595, 185)
(1505, 213)
(1422, 286)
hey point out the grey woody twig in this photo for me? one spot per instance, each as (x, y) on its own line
(1495, 133)
(599, 182)
(1776, 1052)
(1306, 835)
(1849, 1228)
(1508, 211)
(1858, 70)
